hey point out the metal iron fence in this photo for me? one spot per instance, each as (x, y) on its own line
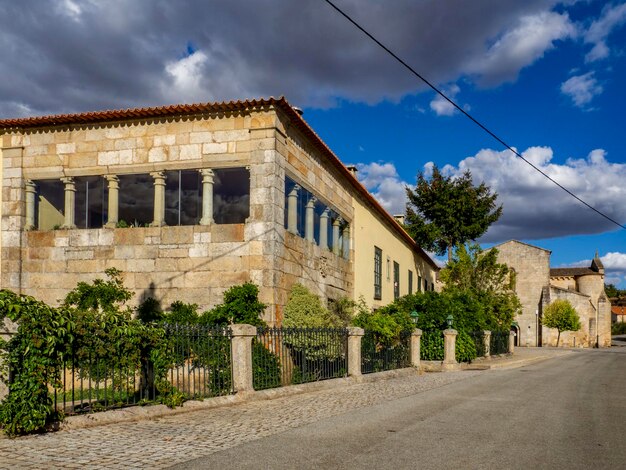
(95, 379)
(479, 342)
(377, 356)
(499, 343)
(286, 356)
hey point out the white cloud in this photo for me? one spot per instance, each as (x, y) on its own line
(581, 88)
(522, 45)
(185, 78)
(612, 17)
(383, 181)
(533, 207)
(443, 107)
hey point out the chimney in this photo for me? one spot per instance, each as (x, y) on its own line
(399, 218)
(352, 169)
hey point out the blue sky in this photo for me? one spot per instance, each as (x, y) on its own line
(546, 75)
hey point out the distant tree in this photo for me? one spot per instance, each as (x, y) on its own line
(562, 316)
(611, 290)
(444, 212)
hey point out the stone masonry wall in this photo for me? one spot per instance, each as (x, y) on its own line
(586, 312)
(532, 268)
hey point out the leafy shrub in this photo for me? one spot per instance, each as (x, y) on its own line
(386, 323)
(431, 347)
(304, 309)
(265, 367)
(182, 313)
(562, 316)
(618, 328)
(149, 310)
(241, 305)
(465, 348)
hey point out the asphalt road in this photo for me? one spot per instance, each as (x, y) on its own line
(568, 412)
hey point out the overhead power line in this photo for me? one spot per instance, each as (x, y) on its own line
(468, 115)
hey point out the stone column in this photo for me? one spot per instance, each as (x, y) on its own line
(70, 202)
(336, 225)
(346, 241)
(208, 177)
(324, 228)
(292, 210)
(416, 337)
(31, 190)
(487, 342)
(159, 198)
(449, 344)
(511, 342)
(309, 224)
(114, 201)
(354, 350)
(241, 353)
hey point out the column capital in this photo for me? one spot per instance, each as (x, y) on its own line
(112, 178)
(207, 174)
(326, 213)
(158, 175)
(312, 202)
(30, 186)
(338, 221)
(295, 190)
(68, 181)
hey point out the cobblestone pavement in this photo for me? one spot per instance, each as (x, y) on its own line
(167, 441)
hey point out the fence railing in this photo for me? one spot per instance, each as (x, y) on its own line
(479, 342)
(98, 377)
(377, 357)
(499, 343)
(286, 356)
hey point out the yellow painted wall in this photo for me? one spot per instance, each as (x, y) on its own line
(369, 231)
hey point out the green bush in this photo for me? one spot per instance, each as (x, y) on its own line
(465, 348)
(149, 310)
(265, 367)
(241, 305)
(304, 309)
(182, 313)
(618, 328)
(431, 347)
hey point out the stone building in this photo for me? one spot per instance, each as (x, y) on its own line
(537, 285)
(189, 200)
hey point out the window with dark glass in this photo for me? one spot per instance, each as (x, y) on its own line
(91, 201)
(419, 283)
(425, 285)
(183, 197)
(136, 200)
(396, 280)
(378, 272)
(410, 281)
(49, 204)
(231, 196)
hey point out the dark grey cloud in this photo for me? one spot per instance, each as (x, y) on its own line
(74, 55)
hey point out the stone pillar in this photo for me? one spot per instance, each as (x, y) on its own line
(354, 350)
(309, 224)
(416, 337)
(345, 249)
(449, 344)
(292, 210)
(159, 198)
(31, 190)
(511, 342)
(241, 353)
(487, 342)
(70, 202)
(324, 228)
(114, 201)
(336, 225)
(208, 177)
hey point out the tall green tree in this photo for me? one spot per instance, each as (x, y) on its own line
(561, 315)
(477, 273)
(443, 212)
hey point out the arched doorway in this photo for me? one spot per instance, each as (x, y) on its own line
(516, 338)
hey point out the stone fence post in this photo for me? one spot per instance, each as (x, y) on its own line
(416, 336)
(487, 342)
(449, 349)
(241, 351)
(511, 341)
(355, 335)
